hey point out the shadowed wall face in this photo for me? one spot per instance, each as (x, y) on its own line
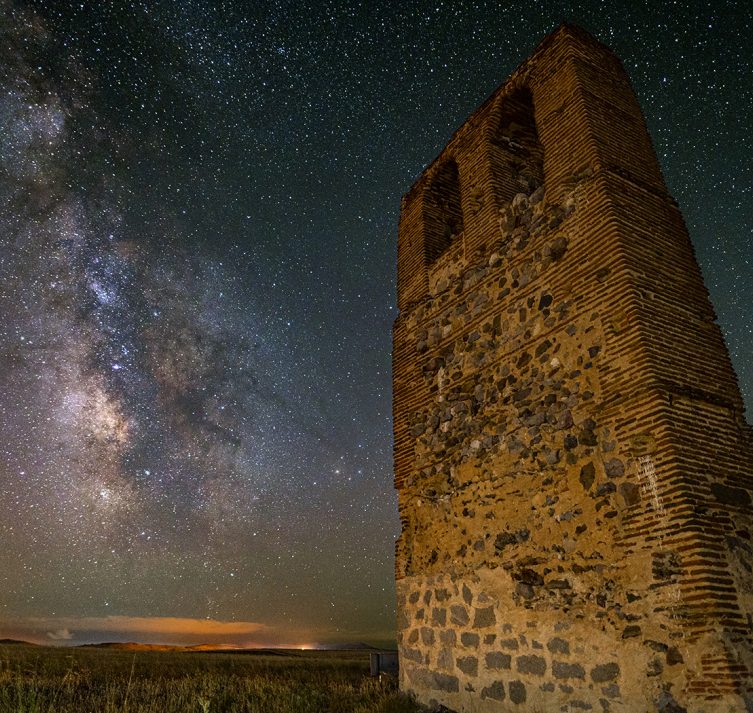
(571, 457)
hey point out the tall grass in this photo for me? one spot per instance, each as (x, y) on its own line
(48, 680)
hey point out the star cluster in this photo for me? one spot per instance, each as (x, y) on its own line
(197, 252)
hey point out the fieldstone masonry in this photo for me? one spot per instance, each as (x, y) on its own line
(573, 464)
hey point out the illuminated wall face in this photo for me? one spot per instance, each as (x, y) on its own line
(571, 457)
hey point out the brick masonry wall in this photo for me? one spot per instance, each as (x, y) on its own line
(573, 465)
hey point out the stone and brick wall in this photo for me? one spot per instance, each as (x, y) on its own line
(573, 464)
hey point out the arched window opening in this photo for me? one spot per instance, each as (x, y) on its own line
(443, 212)
(517, 157)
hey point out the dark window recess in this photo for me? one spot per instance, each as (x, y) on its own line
(516, 156)
(443, 213)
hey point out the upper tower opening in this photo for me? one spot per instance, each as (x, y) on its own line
(443, 212)
(515, 153)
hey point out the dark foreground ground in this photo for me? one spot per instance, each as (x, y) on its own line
(36, 679)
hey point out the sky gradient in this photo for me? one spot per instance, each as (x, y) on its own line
(197, 286)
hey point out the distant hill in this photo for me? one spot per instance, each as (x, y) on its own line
(131, 646)
(209, 649)
(212, 647)
(197, 648)
(225, 648)
(15, 642)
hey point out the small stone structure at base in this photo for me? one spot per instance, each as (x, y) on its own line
(573, 464)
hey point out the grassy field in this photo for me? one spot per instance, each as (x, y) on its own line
(35, 679)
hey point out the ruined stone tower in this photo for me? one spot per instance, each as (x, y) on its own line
(573, 464)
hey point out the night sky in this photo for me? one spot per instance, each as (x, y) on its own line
(197, 284)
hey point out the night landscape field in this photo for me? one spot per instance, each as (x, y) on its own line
(73, 680)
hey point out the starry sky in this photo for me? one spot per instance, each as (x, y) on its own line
(198, 230)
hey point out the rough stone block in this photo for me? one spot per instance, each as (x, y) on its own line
(558, 645)
(496, 691)
(517, 692)
(535, 665)
(445, 658)
(470, 640)
(448, 637)
(434, 680)
(468, 665)
(484, 617)
(438, 617)
(427, 636)
(497, 660)
(459, 615)
(605, 672)
(412, 655)
(562, 669)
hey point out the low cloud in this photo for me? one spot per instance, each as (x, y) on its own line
(60, 635)
(167, 625)
(178, 630)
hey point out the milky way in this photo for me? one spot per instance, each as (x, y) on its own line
(199, 207)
